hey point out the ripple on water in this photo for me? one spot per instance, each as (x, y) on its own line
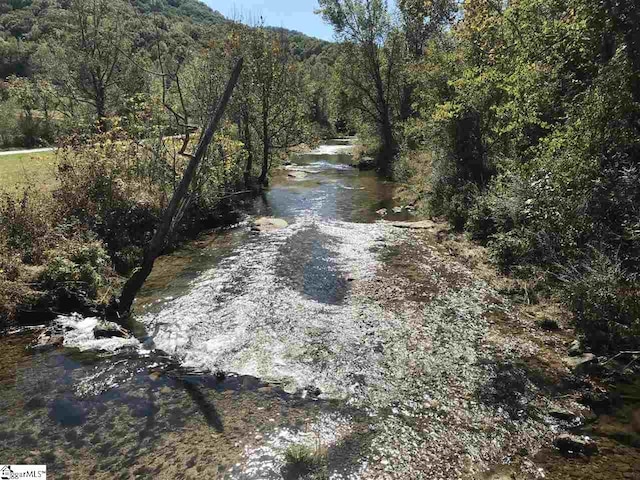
(292, 320)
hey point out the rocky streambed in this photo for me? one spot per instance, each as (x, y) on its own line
(329, 343)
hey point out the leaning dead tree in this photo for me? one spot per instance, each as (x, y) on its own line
(173, 214)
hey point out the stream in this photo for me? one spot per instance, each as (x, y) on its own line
(341, 331)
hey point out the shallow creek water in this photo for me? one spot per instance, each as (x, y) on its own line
(277, 306)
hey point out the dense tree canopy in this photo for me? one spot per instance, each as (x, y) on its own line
(371, 65)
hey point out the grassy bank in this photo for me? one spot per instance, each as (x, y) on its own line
(27, 169)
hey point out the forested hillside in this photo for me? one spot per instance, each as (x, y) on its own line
(31, 22)
(519, 122)
(39, 43)
(194, 10)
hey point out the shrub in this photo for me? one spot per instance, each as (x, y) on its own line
(452, 200)
(15, 286)
(413, 171)
(531, 219)
(509, 249)
(451, 193)
(9, 131)
(605, 300)
(33, 131)
(114, 187)
(111, 190)
(12, 296)
(10, 266)
(128, 258)
(78, 266)
(26, 223)
(305, 461)
(505, 205)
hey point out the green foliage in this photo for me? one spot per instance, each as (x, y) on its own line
(26, 223)
(36, 98)
(528, 115)
(270, 100)
(100, 59)
(125, 96)
(76, 265)
(9, 131)
(15, 57)
(127, 258)
(450, 197)
(221, 172)
(39, 254)
(606, 303)
(303, 461)
(14, 293)
(369, 68)
(511, 248)
(318, 93)
(302, 46)
(195, 10)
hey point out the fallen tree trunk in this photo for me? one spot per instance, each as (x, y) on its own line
(174, 211)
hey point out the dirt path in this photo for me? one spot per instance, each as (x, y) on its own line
(26, 152)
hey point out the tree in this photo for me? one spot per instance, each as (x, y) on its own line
(173, 213)
(88, 63)
(271, 109)
(373, 50)
(422, 21)
(625, 15)
(318, 79)
(36, 99)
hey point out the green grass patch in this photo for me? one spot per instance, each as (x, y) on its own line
(27, 169)
(304, 461)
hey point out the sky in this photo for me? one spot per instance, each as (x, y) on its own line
(292, 14)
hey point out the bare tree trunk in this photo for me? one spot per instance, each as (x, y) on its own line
(389, 147)
(406, 107)
(171, 215)
(101, 110)
(266, 148)
(249, 148)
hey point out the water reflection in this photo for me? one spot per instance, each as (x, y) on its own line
(311, 268)
(87, 416)
(330, 189)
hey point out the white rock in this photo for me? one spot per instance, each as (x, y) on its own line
(268, 224)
